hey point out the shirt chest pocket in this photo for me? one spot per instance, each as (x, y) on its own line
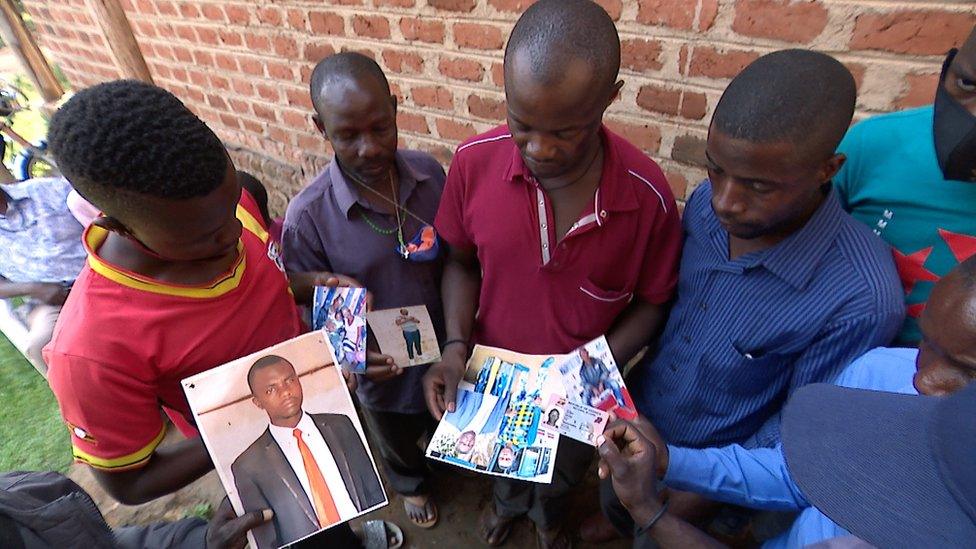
(591, 309)
(739, 370)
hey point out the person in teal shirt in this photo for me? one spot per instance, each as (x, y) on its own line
(911, 177)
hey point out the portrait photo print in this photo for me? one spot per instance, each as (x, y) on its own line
(283, 434)
(406, 334)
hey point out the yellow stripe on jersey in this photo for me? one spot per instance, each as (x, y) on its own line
(251, 224)
(131, 461)
(95, 235)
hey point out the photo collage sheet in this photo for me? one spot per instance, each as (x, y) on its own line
(406, 333)
(511, 409)
(497, 427)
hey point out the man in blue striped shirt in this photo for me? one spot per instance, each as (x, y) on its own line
(760, 478)
(777, 287)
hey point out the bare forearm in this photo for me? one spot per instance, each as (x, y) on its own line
(169, 469)
(459, 290)
(15, 289)
(672, 532)
(636, 327)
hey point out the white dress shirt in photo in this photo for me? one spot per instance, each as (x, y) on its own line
(323, 456)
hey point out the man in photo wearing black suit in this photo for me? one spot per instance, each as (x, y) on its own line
(312, 470)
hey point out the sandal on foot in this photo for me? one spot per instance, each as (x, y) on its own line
(380, 534)
(415, 512)
(491, 525)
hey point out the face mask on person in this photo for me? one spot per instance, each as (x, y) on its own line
(955, 133)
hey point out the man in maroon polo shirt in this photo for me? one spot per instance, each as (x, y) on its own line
(559, 231)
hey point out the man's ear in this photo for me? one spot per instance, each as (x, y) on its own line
(615, 92)
(832, 166)
(256, 402)
(318, 125)
(112, 225)
(394, 102)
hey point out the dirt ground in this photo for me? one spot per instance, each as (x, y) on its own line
(460, 496)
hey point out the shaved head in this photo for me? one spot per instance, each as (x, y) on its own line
(799, 97)
(342, 68)
(554, 34)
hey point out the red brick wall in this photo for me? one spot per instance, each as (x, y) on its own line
(244, 66)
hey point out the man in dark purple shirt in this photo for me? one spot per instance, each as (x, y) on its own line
(353, 220)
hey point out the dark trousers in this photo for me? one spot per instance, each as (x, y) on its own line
(398, 437)
(545, 504)
(615, 511)
(413, 342)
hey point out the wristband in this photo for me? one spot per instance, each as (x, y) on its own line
(453, 341)
(644, 529)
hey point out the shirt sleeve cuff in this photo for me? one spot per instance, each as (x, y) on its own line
(133, 460)
(683, 466)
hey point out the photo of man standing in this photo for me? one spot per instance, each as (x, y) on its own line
(411, 333)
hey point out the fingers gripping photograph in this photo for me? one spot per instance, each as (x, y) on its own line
(283, 433)
(499, 426)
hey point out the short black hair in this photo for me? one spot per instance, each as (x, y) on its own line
(802, 97)
(257, 190)
(264, 362)
(344, 66)
(555, 32)
(132, 136)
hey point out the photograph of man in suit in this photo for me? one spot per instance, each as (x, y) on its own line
(312, 470)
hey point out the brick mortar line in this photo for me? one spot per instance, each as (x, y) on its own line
(853, 56)
(891, 5)
(412, 47)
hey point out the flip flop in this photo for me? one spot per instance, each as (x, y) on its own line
(503, 525)
(428, 509)
(380, 534)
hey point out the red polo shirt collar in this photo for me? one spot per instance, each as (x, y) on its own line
(613, 195)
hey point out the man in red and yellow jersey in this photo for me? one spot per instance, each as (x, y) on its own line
(181, 277)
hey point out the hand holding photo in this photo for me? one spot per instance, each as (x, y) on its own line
(406, 334)
(594, 388)
(283, 434)
(500, 422)
(340, 312)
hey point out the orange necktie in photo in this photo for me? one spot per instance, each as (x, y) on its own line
(325, 507)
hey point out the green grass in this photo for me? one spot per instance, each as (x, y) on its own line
(32, 435)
